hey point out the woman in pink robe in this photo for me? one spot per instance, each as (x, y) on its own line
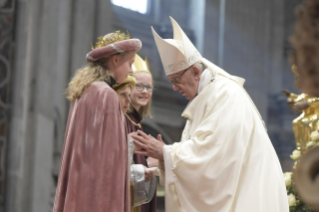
(94, 174)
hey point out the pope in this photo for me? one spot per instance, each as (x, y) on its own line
(225, 161)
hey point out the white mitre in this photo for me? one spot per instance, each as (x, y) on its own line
(177, 54)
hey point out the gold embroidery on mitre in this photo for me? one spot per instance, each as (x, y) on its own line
(103, 41)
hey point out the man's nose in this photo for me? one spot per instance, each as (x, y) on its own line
(175, 88)
(130, 71)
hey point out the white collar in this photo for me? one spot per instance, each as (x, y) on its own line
(205, 78)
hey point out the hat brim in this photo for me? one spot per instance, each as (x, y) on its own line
(115, 48)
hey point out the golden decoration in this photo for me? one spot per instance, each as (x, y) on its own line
(138, 125)
(295, 70)
(103, 41)
(140, 65)
(129, 81)
(308, 121)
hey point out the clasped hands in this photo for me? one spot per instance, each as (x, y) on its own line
(147, 145)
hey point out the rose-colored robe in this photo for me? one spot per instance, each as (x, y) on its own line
(140, 159)
(94, 166)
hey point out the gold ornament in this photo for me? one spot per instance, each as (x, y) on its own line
(103, 41)
(129, 81)
(308, 121)
(295, 70)
(133, 122)
(140, 65)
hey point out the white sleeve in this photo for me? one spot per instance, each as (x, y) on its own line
(143, 191)
(161, 170)
(138, 180)
(169, 176)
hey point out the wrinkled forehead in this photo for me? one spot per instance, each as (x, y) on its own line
(175, 75)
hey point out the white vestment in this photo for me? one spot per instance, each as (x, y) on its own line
(225, 161)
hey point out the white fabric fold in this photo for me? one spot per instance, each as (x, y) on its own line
(169, 174)
(217, 70)
(161, 167)
(143, 191)
(225, 161)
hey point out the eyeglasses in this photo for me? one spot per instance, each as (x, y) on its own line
(140, 87)
(175, 81)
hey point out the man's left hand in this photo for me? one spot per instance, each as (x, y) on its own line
(148, 145)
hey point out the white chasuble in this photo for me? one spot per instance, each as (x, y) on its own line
(225, 161)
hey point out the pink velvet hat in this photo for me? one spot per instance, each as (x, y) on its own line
(105, 47)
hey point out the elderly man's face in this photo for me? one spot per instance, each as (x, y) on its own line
(187, 82)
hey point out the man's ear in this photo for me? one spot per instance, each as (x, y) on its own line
(196, 72)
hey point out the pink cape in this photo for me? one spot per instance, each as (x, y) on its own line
(94, 166)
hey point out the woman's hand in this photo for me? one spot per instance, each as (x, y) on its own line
(148, 174)
(136, 148)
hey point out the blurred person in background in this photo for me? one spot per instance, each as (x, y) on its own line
(94, 169)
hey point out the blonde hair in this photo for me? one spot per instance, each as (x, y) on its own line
(144, 111)
(129, 81)
(85, 76)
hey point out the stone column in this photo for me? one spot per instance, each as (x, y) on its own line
(197, 22)
(22, 128)
(251, 40)
(52, 39)
(276, 40)
(84, 21)
(211, 39)
(7, 11)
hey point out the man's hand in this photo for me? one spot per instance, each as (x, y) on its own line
(152, 162)
(149, 146)
(148, 174)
